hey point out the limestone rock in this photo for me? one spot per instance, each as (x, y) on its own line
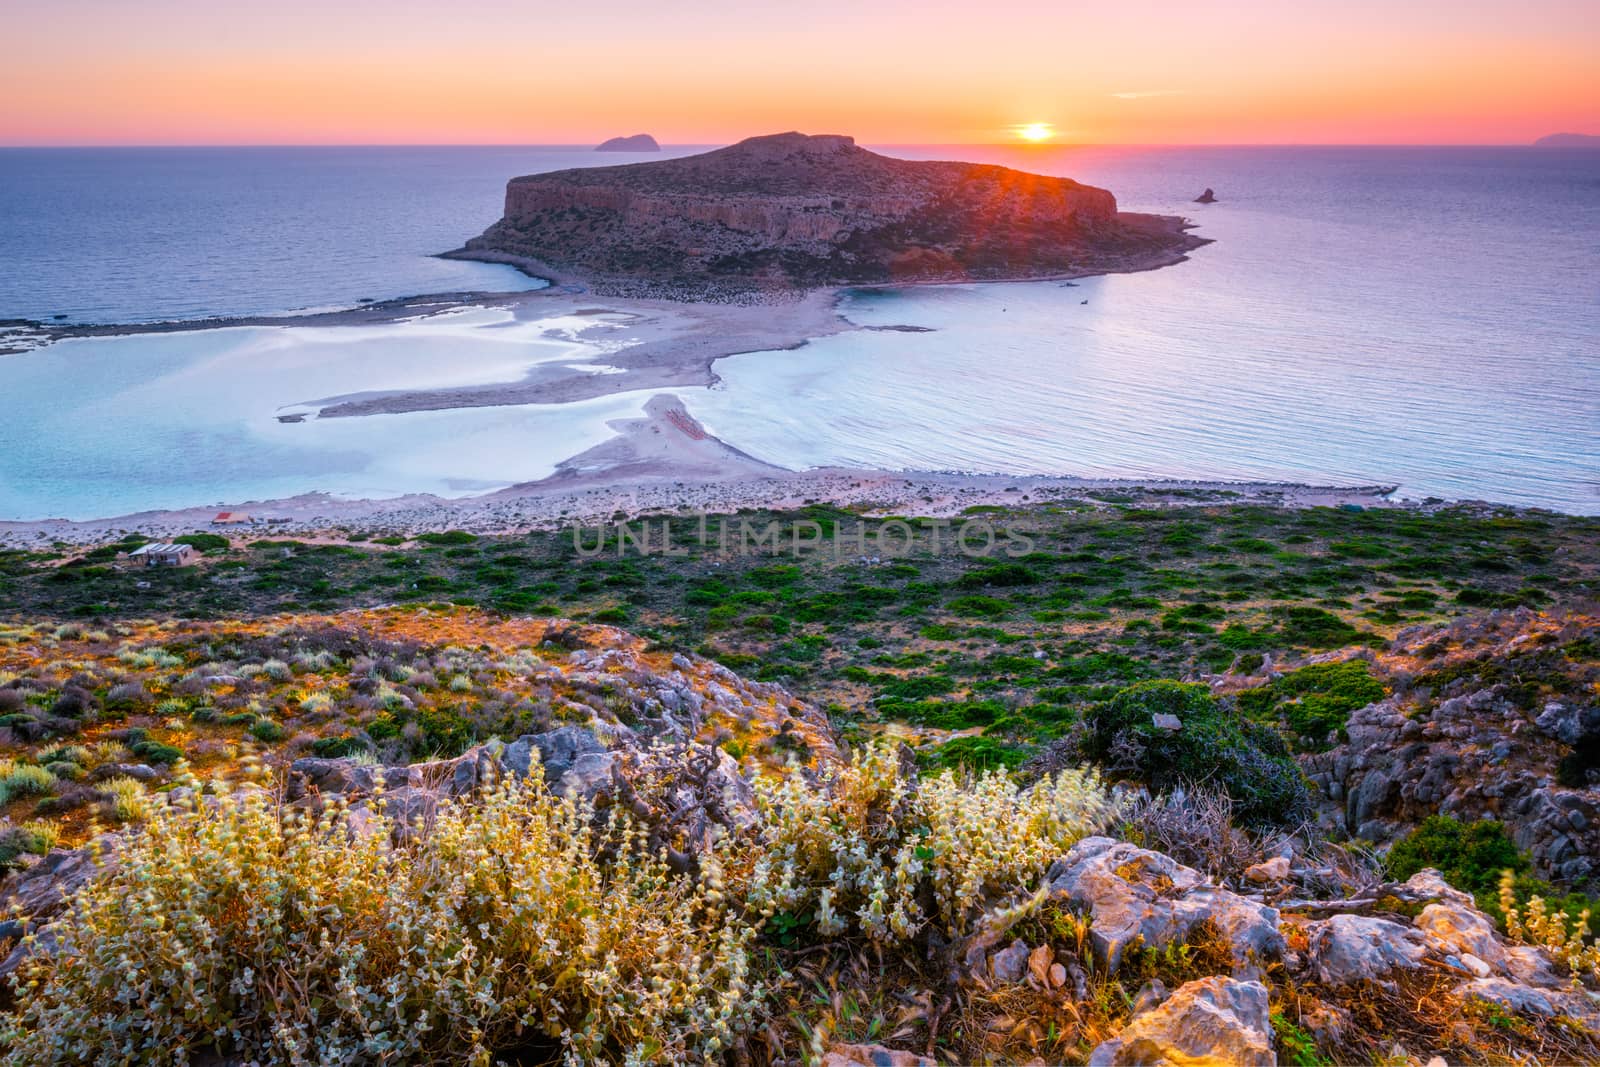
(1528, 1000)
(1470, 751)
(139, 772)
(1274, 870)
(1009, 964)
(1135, 896)
(1352, 948)
(1209, 1021)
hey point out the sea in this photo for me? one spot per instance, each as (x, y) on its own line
(1427, 318)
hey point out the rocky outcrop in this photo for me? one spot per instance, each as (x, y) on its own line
(1474, 745)
(1210, 1020)
(791, 210)
(639, 142)
(1207, 197)
(1135, 897)
(1355, 948)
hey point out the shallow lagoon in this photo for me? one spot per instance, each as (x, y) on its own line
(107, 426)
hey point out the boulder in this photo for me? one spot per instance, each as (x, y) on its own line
(39, 893)
(315, 774)
(1354, 948)
(1209, 1021)
(1527, 1000)
(139, 772)
(1137, 897)
(1568, 723)
(1274, 870)
(1008, 965)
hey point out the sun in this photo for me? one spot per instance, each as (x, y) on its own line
(1034, 131)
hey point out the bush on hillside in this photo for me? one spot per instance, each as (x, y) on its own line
(1213, 747)
(871, 851)
(1315, 702)
(1470, 856)
(518, 926)
(245, 930)
(1476, 857)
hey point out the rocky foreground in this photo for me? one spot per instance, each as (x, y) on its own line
(784, 212)
(1032, 941)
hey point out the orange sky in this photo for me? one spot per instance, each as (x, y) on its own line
(708, 71)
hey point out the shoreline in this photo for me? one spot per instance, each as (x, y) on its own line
(665, 462)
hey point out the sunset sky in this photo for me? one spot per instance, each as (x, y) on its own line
(708, 71)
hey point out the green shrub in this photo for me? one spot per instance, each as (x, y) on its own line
(1474, 597)
(156, 752)
(337, 747)
(24, 780)
(917, 687)
(267, 730)
(972, 754)
(1473, 856)
(1315, 628)
(1213, 746)
(1001, 574)
(203, 542)
(939, 631)
(1470, 856)
(983, 607)
(1315, 702)
(947, 715)
(449, 537)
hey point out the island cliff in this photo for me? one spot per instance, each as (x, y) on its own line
(792, 211)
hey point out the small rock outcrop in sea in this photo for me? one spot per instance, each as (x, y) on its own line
(639, 142)
(1207, 197)
(1569, 140)
(790, 211)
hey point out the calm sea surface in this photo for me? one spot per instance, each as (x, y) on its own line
(1424, 317)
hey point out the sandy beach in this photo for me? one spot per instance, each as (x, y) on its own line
(664, 462)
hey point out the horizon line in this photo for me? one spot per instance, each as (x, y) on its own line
(591, 146)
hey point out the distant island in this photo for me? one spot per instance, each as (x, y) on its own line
(1569, 140)
(790, 211)
(639, 142)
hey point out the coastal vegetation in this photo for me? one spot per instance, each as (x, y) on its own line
(931, 742)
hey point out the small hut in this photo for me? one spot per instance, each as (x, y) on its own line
(164, 554)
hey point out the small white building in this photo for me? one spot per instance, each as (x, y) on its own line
(164, 554)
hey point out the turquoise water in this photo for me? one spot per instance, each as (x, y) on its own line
(1422, 317)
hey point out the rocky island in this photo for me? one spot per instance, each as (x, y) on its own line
(790, 212)
(639, 142)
